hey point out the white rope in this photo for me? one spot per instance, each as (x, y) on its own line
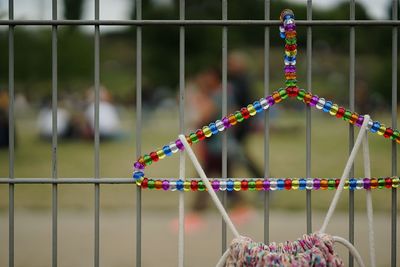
(370, 211)
(351, 248)
(222, 260)
(345, 174)
(210, 190)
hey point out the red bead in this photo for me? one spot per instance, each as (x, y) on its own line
(292, 91)
(145, 183)
(200, 134)
(154, 156)
(245, 113)
(290, 47)
(194, 185)
(388, 183)
(337, 181)
(288, 184)
(245, 185)
(388, 133)
(340, 112)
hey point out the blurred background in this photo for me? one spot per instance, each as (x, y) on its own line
(160, 123)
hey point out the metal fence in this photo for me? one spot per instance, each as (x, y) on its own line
(139, 22)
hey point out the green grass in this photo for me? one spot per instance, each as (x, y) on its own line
(287, 159)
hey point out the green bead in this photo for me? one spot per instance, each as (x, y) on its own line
(395, 135)
(193, 137)
(291, 40)
(201, 186)
(283, 93)
(331, 184)
(381, 183)
(151, 184)
(347, 115)
(301, 94)
(290, 82)
(252, 185)
(147, 160)
(239, 116)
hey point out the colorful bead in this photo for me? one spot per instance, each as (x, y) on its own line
(201, 187)
(173, 147)
(353, 118)
(388, 133)
(288, 184)
(382, 129)
(334, 110)
(270, 100)
(321, 103)
(222, 185)
(215, 185)
(347, 115)
(226, 123)
(264, 103)
(154, 156)
(245, 113)
(229, 185)
(179, 145)
(395, 182)
(220, 125)
(327, 106)
(194, 185)
(207, 131)
(179, 185)
(147, 160)
(172, 186)
(239, 116)
(277, 97)
(186, 186)
(302, 184)
(340, 112)
(257, 106)
(213, 128)
(301, 94)
(200, 135)
(158, 184)
(375, 127)
(232, 119)
(251, 110)
(280, 184)
(236, 185)
(266, 185)
(165, 185)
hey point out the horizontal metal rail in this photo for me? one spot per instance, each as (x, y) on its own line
(197, 22)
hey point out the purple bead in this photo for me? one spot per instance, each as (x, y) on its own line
(270, 100)
(367, 183)
(317, 184)
(215, 185)
(226, 123)
(290, 68)
(266, 185)
(314, 100)
(179, 145)
(360, 120)
(290, 27)
(165, 185)
(137, 165)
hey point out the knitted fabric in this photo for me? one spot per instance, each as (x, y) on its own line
(312, 250)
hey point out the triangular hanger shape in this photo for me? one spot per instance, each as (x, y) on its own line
(288, 32)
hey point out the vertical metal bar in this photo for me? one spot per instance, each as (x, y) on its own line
(394, 125)
(267, 7)
(181, 237)
(138, 131)
(224, 111)
(351, 128)
(96, 135)
(11, 132)
(308, 116)
(54, 174)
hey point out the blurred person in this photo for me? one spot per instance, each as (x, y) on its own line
(109, 121)
(4, 126)
(240, 82)
(45, 121)
(206, 104)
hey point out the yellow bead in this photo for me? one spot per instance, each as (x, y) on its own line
(160, 154)
(382, 129)
(139, 181)
(236, 186)
(186, 186)
(251, 110)
(295, 183)
(207, 131)
(346, 184)
(395, 182)
(334, 109)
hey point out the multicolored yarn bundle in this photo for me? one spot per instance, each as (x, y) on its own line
(269, 184)
(312, 250)
(288, 32)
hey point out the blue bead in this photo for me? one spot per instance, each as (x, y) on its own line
(179, 185)
(282, 35)
(375, 127)
(137, 175)
(327, 106)
(302, 184)
(257, 106)
(167, 150)
(213, 128)
(288, 16)
(290, 59)
(352, 184)
(280, 184)
(229, 185)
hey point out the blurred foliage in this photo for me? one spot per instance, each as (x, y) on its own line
(202, 47)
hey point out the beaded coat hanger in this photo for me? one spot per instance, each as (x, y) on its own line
(291, 90)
